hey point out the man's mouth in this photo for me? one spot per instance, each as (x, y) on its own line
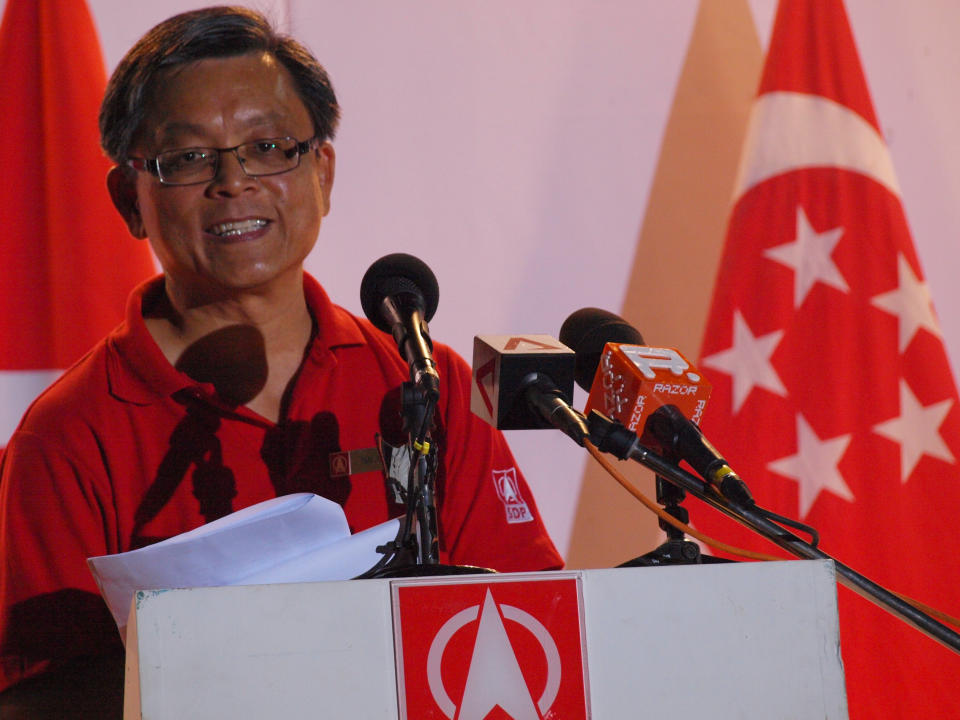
(237, 227)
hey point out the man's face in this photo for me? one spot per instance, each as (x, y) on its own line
(233, 232)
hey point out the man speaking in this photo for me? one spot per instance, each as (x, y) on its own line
(233, 378)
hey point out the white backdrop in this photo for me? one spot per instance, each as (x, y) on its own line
(511, 144)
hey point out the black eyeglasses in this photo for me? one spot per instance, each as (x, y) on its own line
(190, 166)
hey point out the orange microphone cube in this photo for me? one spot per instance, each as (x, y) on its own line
(634, 380)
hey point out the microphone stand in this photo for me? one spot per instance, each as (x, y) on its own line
(415, 552)
(677, 550)
(612, 437)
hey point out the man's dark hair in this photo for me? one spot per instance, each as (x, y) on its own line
(197, 35)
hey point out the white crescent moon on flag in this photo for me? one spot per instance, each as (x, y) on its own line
(18, 388)
(792, 131)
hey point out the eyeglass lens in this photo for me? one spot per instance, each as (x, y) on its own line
(259, 157)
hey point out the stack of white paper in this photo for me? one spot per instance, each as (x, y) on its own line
(294, 538)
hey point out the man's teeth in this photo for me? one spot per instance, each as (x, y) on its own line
(237, 228)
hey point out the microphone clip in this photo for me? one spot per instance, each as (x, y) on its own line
(611, 436)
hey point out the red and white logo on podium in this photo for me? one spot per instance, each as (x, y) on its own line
(484, 648)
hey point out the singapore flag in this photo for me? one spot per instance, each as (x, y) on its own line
(833, 396)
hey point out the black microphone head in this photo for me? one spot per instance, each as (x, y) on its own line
(398, 274)
(586, 331)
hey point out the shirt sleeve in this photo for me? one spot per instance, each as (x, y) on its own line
(488, 516)
(52, 517)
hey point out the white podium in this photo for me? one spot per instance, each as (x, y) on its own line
(748, 640)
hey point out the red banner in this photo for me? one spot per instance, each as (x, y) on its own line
(67, 259)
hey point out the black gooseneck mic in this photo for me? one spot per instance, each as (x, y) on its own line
(399, 294)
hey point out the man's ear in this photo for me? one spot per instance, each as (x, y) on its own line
(123, 192)
(327, 165)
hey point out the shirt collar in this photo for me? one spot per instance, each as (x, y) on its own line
(138, 372)
(335, 326)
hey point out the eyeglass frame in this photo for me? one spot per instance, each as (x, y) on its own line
(152, 165)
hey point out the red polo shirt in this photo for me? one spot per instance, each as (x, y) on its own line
(125, 450)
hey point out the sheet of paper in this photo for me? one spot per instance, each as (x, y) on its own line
(341, 560)
(294, 538)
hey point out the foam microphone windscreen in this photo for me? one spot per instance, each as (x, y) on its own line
(587, 331)
(398, 274)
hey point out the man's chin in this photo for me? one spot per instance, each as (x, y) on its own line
(231, 284)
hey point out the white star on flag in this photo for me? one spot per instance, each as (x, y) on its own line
(814, 467)
(748, 362)
(809, 257)
(910, 302)
(917, 430)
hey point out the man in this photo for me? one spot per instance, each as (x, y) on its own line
(233, 378)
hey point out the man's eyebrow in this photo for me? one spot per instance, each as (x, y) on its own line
(177, 128)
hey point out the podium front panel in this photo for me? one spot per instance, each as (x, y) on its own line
(750, 640)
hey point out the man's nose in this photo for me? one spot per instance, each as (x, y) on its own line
(230, 177)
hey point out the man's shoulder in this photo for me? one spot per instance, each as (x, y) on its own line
(71, 395)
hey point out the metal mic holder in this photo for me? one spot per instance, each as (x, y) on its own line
(677, 550)
(416, 549)
(418, 407)
(612, 437)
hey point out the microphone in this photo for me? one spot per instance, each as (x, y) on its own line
(587, 331)
(684, 439)
(626, 379)
(525, 382)
(399, 295)
(655, 392)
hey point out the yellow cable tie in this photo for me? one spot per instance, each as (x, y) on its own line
(422, 448)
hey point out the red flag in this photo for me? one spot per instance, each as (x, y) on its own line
(832, 395)
(66, 259)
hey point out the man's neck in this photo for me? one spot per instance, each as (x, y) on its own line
(249, 344)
